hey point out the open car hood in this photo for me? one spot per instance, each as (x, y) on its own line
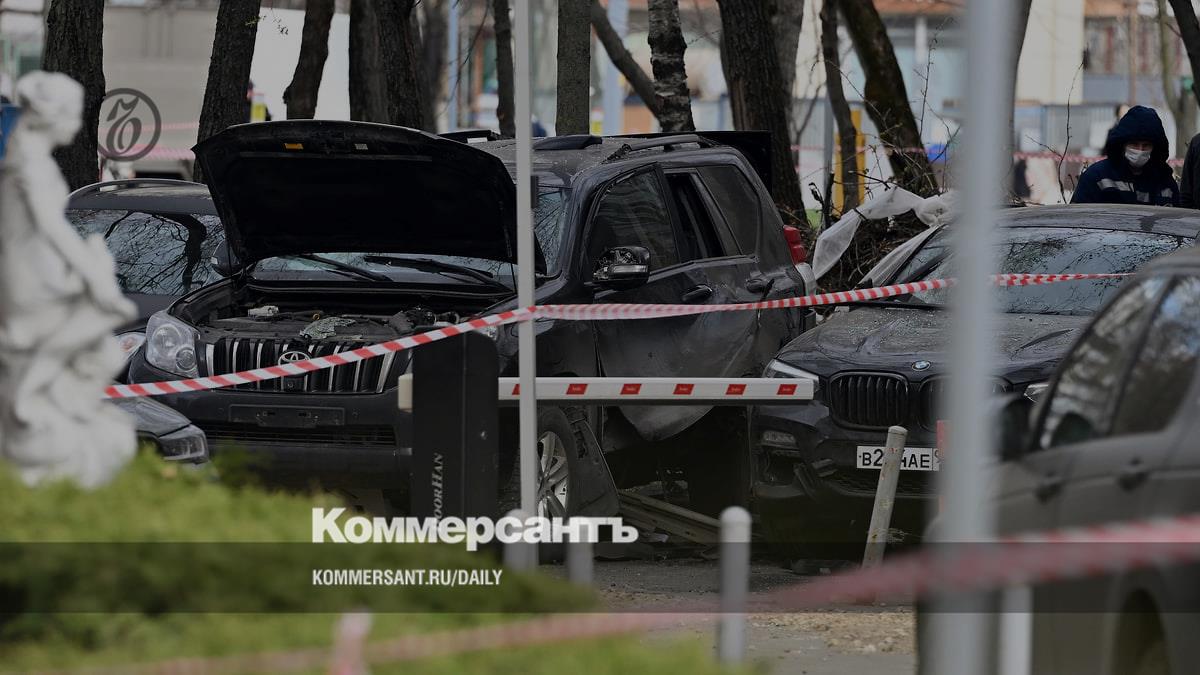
(319, 186)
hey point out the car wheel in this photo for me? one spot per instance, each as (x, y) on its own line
(717, 462)
(1153, 659)
(558, 453)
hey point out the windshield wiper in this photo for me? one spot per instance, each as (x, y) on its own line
(340, 266)
(894, 301)
(437, 267)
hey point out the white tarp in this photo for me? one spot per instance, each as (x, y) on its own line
(892, 201)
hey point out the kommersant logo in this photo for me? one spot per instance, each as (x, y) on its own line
(327, 526)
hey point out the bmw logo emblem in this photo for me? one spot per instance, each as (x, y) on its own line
(921, 365)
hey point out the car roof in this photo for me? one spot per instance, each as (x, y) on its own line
(151, 195)
(1122, 217)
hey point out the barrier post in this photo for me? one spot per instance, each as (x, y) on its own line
(455, 423)
(735, 584)
(580, 563)
(349, 640)
(885, 496)
(519, 555)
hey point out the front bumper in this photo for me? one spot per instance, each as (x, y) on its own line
(333, 440)
(807, 471)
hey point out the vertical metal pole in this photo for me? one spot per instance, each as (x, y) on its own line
(735, 584)
(453, 63)
(885, 496)
(1016, 631)
(526, 346)
(519, 555)
(581, 564)
(961, 640)
(614, 101)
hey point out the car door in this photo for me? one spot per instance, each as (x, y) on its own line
(765, 269)
(635, 210)
(1117, 476)
(1074, 419)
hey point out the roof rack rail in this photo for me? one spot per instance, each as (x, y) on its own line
(667, 143)
(471, 135)
(123, 183)
(567, 142)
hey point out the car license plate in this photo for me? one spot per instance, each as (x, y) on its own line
(915, 459)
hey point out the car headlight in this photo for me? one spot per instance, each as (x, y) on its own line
(171, 345)
(777, 368)
(1034, 391)
(131, 342)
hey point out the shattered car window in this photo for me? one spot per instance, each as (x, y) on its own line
(634, 213)
(156, 253)
(549, 219)
(1049, 250)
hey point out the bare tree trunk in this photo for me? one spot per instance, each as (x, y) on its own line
(1017, 40)
(847, 134)
(432, 38)
(225, 96)
(74, 47)
(667, 47)
(368, 92)
(887, 99)
(1189, 30)
(506, 105)
(642, 85)
(1168, 67)
(300, 97)
(574, 105)
(757, 96)
(399, 63)
(787, 19)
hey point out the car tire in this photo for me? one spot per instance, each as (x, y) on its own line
(558, 455)
(1153, 659)
(717, 462)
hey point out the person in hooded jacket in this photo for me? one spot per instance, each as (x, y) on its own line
(1134, 169)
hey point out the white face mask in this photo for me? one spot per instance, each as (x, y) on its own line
(1137, 158)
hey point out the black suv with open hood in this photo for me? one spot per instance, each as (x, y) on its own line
(348, 234)
(884, 362)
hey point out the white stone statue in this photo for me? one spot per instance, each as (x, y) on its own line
(59, 306)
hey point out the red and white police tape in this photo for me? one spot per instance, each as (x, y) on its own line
(1016, 561)
(598, 312)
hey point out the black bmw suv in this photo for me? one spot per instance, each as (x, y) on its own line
(350, 234)
(884, 362)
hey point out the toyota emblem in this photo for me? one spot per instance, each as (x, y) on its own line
(292, 357)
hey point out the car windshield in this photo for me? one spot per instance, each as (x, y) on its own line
(549, 218)
(1048, 250)
(156, 253)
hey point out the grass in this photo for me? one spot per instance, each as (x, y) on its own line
(175, 564)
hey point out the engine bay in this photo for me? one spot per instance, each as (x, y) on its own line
(269, 321)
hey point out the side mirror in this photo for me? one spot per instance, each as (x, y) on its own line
(1013, 427)
(222, 260)
(622, 268)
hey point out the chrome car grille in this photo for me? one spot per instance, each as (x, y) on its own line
(868, 399)
(372, 376)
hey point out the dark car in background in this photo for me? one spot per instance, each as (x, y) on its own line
(884, 362)
(1112, 439)
(163, 235)
(351, 234)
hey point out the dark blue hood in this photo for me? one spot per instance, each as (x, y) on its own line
(1139, 124)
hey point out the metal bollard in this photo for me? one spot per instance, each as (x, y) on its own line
(885, 497)
(580, 563)
(520, 556)
(349, 641)
(735, 584)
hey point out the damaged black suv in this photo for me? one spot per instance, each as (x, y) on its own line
(344, 234)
